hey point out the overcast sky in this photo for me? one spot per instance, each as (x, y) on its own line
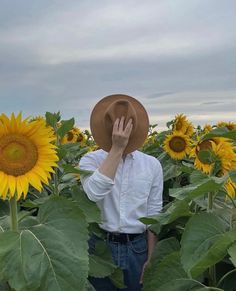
(175, 56)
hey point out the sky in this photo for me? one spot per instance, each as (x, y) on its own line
(174, 56)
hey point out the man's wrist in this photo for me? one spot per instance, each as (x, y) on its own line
(116, 150)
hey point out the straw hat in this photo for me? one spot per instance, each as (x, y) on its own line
(111, 107)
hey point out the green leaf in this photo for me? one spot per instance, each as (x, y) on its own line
(155, 276)
(50, 255)
(170, 168)
(229, 281)
(66, 125)
(102, 265)
(162, 250)
(197, 176)
(204, 243)
(117, 278)
(232, 175)
(175, 210)
(187, 167)
(70, 169)
(100, 268)
(89, 208)
(52, 118)
(196, 189)
(205, 156)
(222, 132)
(89, 287)
(232, 253)
(183, 285)
(4, 208)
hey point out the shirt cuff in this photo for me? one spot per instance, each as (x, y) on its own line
(99, 177)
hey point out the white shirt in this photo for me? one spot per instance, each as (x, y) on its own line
(135, 192)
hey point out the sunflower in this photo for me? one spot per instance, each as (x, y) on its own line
(181, 124)
(27, 155)
(177, 145)
(230, 188)
(202, 145)
(82, 139)
(229, 125)
(74, 135)
(70, 137)
(207, 128)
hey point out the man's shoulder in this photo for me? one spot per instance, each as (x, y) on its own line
(95, 154)
(146, 157)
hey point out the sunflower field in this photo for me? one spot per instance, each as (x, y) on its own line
(46, 218)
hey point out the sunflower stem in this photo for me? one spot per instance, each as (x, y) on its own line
(212, 269)
(210, 202)
(56, 192)
(55, 175)
(13, 213)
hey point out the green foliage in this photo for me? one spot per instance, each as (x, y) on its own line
(198, 188)
(232, 253)
(89, 208)
(48, 254)
(50, 251)
(205, 242)
(66, 125)
(221, 132)
(52, 118)
(170, 214)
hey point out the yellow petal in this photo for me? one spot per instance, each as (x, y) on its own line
(12, 185)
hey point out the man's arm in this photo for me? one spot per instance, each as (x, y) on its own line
(154, 207)
(100, 183)
(120, 138)
(152, 240)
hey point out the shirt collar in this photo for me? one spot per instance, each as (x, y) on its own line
(132, 154)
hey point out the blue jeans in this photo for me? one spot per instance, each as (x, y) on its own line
(130, 257)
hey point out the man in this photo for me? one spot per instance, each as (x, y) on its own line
(126, 184)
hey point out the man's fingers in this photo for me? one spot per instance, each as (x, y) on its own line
(128, 127)
(121, 124)
(116, 125)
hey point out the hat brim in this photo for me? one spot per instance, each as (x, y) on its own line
(104, 138)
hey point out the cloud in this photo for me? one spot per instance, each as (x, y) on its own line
(66, 55)
(192, 104)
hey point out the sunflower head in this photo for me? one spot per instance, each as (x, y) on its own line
(181, 124)
(27, 155)
(207, 128)
(216, 156)
(177, 145)
(229, 125)
(230, 188)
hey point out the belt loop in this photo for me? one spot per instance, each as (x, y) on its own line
(127, 237)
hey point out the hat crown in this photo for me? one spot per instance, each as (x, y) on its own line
(111, 107)
(117, 109)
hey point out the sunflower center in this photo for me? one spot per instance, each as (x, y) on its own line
(18, 154)
(70, 136)
(177, 144)
(205, 145)
(80, 137)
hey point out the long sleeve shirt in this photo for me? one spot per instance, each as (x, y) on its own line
(136, 190)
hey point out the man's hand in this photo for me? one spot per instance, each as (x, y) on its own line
(120, 138)
(120, 135)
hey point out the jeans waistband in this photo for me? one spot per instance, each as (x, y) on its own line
(122, 237)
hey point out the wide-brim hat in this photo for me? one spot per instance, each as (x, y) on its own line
(111, 107)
